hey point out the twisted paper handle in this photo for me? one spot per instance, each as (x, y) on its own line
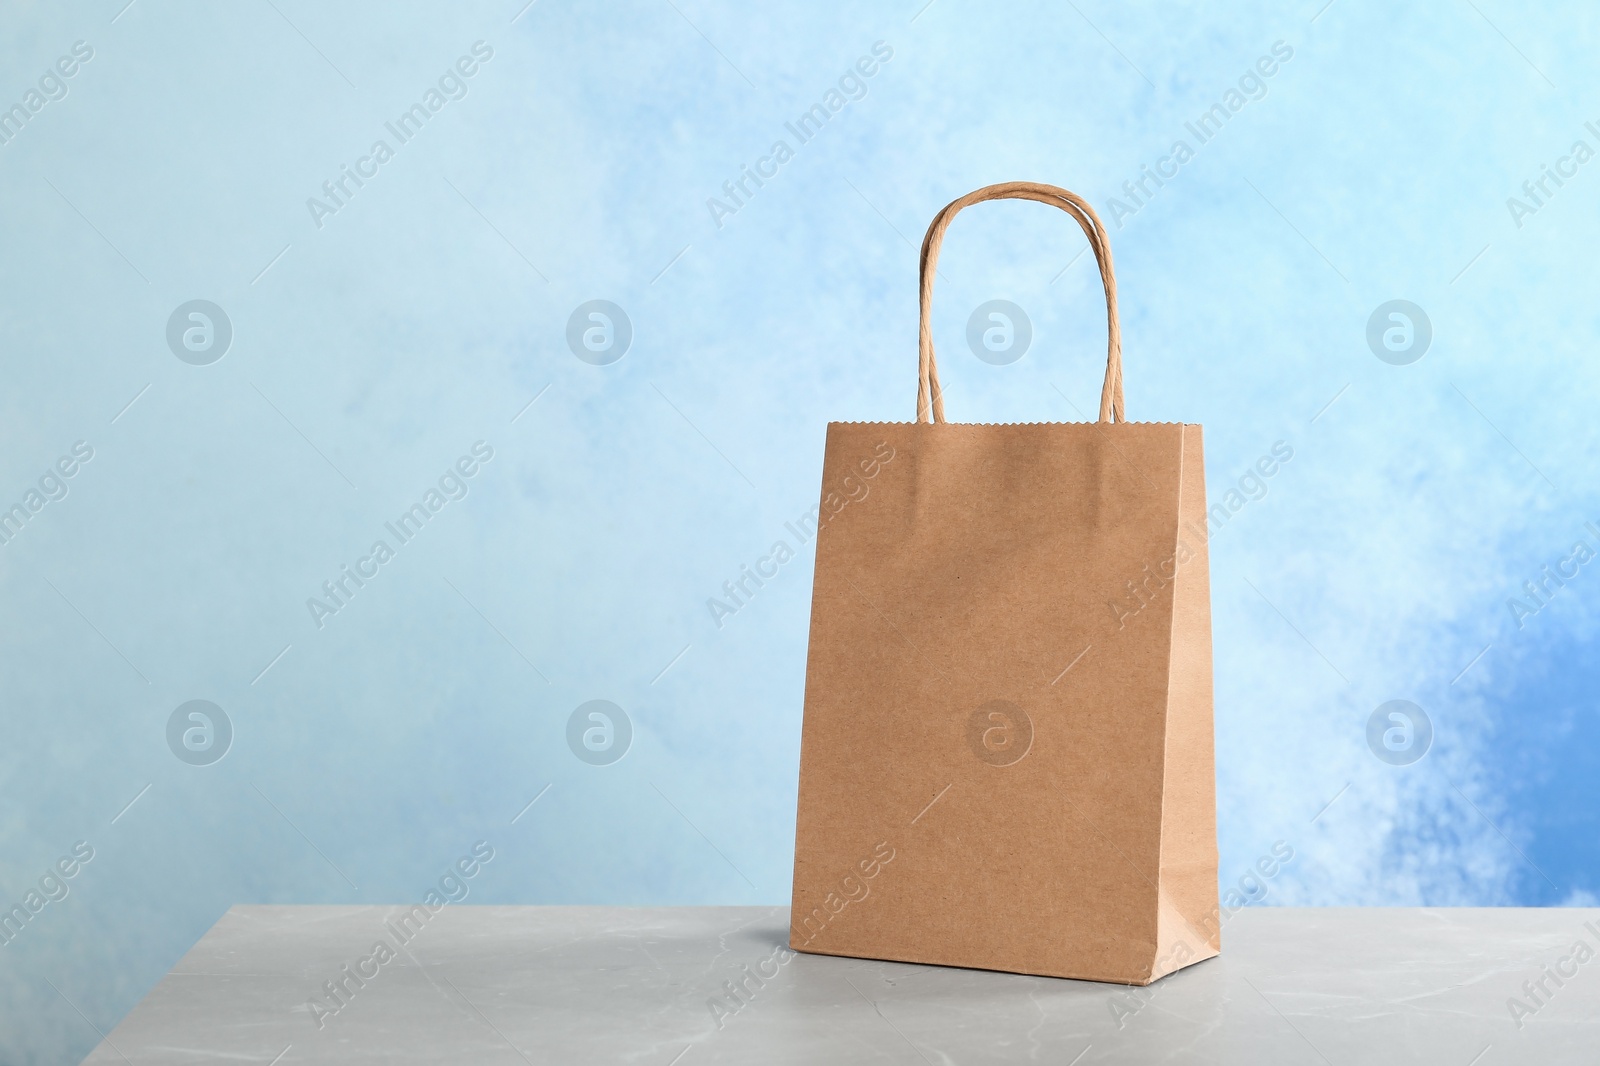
(930, 400)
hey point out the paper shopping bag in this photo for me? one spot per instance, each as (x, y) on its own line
(1006, 758)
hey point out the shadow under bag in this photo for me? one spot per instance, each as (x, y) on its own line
(1007, 758)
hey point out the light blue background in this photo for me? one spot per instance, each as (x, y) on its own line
(429, 311)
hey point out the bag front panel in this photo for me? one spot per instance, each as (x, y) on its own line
(986, 692)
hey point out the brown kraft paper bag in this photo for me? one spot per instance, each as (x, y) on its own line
(1006, 759)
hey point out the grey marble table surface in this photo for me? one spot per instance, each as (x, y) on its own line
(682, 986)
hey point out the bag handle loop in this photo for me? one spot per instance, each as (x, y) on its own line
(930, 399)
